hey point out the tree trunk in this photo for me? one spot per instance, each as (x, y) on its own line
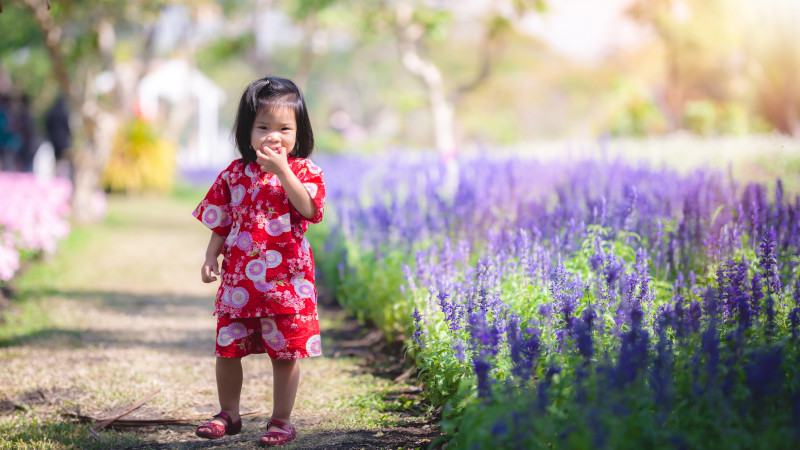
(307, 57)
(442, 110)
(87, 154)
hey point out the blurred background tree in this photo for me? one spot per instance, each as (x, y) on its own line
(772, 50)
(700, 47)
(80, 41)
(417, 26)
(727, 64)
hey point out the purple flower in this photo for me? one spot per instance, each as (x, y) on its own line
(524, 346)
(566, 290)
(482, 368)
(450, 311)
(633, 353)
(485, 336)
(681, 322)
(763, 372)
(546, 310)
(733, 293)
(460, 347)
(711, 304)
(756, 294)
(583, 333)
(499, 429)
(408, 274)
(695, 313)
(768, 262)
(417, 337)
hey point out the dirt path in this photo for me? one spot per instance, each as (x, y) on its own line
(125, 315)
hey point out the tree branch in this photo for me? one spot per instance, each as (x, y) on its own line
(408, 34)
(52, 36)
(488, 48)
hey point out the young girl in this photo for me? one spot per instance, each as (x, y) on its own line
(258, 210)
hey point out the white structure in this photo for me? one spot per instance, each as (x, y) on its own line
(189, 92)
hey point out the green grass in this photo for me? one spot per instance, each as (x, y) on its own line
(30, 313)
(189, 194)
(25, 430)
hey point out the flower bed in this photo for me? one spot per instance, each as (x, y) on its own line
(591, 304)
(32, 218)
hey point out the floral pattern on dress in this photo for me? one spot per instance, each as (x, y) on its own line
(281, 337)
(268, 266)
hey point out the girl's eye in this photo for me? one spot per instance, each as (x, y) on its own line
(286, 128)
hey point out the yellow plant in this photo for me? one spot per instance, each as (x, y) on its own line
(140, 160)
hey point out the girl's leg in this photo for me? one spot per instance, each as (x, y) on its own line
(229, 386)
(286, 378)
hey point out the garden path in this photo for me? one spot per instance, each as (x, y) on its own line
(120, 312)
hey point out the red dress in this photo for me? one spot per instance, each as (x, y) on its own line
(268, 267)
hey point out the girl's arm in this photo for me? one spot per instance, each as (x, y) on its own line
(298, 195)
(211, 264)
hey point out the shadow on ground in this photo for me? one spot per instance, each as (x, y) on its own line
(130, 314)
(147, 305)
(417, 435)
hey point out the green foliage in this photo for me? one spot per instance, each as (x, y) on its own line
(306, 8)
(371, 289)
(733, 120)
(140, 161)
(434, 21)
(522, 6)
(636, 114)
(706, 117)
(23, 33)
(224, 49)
(700, 117)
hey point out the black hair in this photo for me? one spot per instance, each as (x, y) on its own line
(272, 92)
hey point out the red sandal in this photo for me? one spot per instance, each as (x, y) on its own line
(277, 438)
(214, 430)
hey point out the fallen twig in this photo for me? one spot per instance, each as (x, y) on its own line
(99, 426)
(132, 422)
(405, 375)
(135, 423)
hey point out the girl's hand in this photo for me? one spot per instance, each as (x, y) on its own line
(210, 267)
(273, 160)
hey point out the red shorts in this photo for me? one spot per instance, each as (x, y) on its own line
(290, 336)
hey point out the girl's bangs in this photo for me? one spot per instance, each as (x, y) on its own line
(289, 101)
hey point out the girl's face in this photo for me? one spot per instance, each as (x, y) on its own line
(274, 128)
